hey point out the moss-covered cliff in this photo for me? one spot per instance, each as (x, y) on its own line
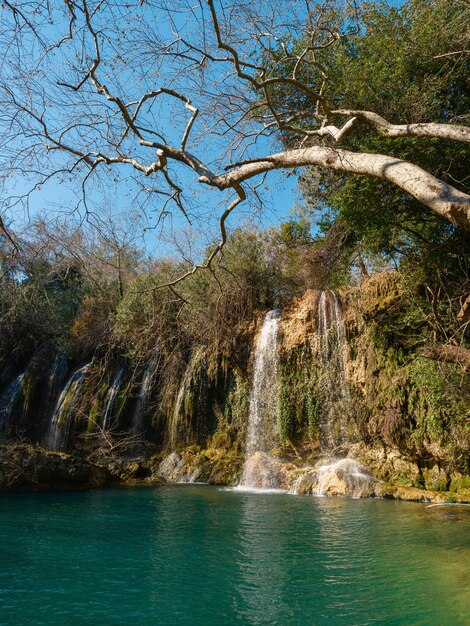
(352, 382)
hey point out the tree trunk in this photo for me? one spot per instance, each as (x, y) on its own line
(442, 198)
(448, 354)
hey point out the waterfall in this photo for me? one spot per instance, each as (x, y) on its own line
(7, 401)
(322, 329)
(262, 421)
(178, 408)
(345, 477)
(142, 399)
(190, 408)
(331, 333)
(60, 426)
(49, 394)
(111, 398)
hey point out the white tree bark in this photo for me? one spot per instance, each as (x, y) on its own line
(443, 199)
(453, 132)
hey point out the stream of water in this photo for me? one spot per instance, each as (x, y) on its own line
(199, 555)
(262, 418)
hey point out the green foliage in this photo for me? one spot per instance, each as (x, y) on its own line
(418, 82)
(237, 400)
(97, 408)
(298, 409)
(438, 408)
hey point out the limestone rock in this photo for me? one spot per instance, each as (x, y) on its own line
(380, 292)
(343, 477)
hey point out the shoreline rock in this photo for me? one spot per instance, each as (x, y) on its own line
(28, 468)
(24, 467)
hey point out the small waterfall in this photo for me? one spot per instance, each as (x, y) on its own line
(142, 399)
(323, 347)
(262, 421)
(340, 331)
(7, 401)
(50, 393)
(111, 398)
(175, 418)
(62, 416)
(331, 333)
(338, 476)
(345, 477)
(190, 408)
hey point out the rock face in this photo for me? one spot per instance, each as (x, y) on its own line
(176, 469)
(299, 320)
(343, 477)
(29, 468)
(343, 383)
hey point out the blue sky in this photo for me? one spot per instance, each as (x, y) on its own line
(116, 201)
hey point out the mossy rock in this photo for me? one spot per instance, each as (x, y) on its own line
(380, 293)
(436, 478)
(460, 484)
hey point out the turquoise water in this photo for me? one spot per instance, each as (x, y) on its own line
(199, 555)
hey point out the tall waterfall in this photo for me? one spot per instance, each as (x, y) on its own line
(344, 476)
(7, 401)
(331, 333)
(111, 398)
(262, 422)
(62, 416)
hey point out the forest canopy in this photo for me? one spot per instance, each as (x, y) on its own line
(366, 103)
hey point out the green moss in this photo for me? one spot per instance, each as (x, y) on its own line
(188, 398)
(460, 484)
(28, 387)
(438, 408)
(96, 409)
(120, 405)
(298, 405)
(67, 404)
(237, 400)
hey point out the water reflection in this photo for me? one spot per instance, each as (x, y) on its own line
(197, 555)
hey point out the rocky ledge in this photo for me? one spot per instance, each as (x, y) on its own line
(327, 477)
(24, 467)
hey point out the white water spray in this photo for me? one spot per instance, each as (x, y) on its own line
(144, 393)
(63, 414)
(262, 422)
(345, 477)
(111, 398)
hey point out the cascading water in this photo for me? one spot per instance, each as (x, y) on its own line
(331, 341)
(262, 422)
(7, 401)
(50, 393)
(190, 408)
(62, 417)
(142, 399)
(345, 475)
(322, 330)
(175, 418)
(111, 398)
